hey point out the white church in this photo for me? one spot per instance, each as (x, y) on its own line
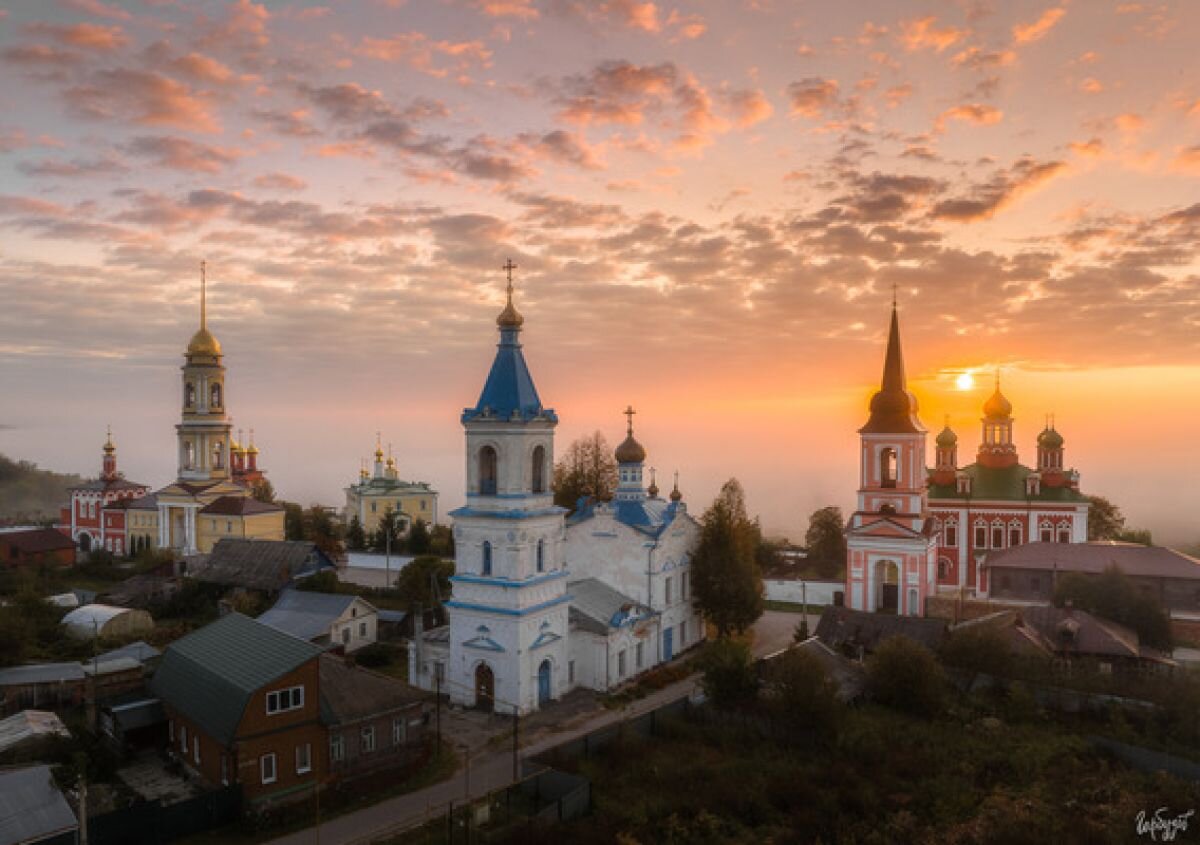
(542, 604)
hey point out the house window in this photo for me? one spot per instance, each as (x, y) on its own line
(337, 748)
(539, 469)
(980, 535)
(541, 556)
(637, 660)
(229, 526)
(367, 739)
(487, 558)
(1046, 534)
(951, 534)
(683, 633)
(362, 629)
(303, 758)
(621, 663)
(683, 586)
(667, 590)
(345, 636)
(398, 731)
(196, 748)
(571, 663)
(266, 765)
(997, 536)
(284, 700)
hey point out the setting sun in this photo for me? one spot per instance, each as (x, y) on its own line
(965, 381)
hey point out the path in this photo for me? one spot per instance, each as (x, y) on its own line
(492, 770)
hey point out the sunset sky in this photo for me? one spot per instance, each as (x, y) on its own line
(709, 204)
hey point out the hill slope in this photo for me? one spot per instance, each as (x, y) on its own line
(29, 494)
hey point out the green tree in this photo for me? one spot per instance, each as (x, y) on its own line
(1114, 596)
(725, 575)
(441, 541)
(418, 538)
(263, 490)
(325, 581)
(586, 468)
(293, 521)
(416, 581)
(905, 676)
(1136, 535)
(826, 541)
(390, 525)
(729, 680)
(321, 528)
(356, 538)
(801, 693)
(978, 649)
(1105, 520)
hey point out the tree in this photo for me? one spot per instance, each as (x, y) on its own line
(725, 575)
(263, 490)
(1114, 596)
(325, 581)
(978, 649)
(321, 528)
(441, 541)
(293, 521)
(356, 538)
(905, 675)
(1105, 520)
(390, 525)
(826, 541)
(586, 468)
(801, 693)
(729, 681)
(418, 538)
(416, 581)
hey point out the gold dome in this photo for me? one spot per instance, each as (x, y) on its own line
(203, 343)
(997, 405)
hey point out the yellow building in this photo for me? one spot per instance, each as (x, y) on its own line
(204, 504)
(376, 494)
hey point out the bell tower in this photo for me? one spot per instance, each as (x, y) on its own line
(204, 430)
(508, 617)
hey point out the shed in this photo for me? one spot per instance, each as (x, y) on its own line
(33, 809)
(103, 620)
(29, 725)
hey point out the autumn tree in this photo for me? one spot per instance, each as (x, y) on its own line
(826, 541)
(1105, 520)
(586, 468)
(725, 575)
(263, 491)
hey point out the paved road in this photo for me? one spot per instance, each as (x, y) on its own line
(492, 770)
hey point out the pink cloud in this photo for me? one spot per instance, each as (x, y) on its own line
(747, 107)
(85, 35)
(1187, 160)
(280, 182)
(435, 58)
(976, 113)
(521, 9)
(977, 58)
(923, 34)
(183, 154)
(1091, 85)
(999, 192)
(143, 97)
(1027, 33)
(811, 97)
(100, 10)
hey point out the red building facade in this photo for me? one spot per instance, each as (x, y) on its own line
(89, 522)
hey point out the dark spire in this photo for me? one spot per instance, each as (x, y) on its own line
(893, 408)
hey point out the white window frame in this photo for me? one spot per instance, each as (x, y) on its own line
(304, 761)
(638, 654)
(293, 695)
(399, 730)
(366, 739)
(262, 768)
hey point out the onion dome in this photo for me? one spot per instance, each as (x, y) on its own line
(204, 343)
(630, 451)
(510, 317)
(947, 439)
(1050, 439)
(997, 406)
(252, 450)
(109, 448)
(652, 490)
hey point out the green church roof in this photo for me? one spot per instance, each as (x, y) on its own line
(1003, 483)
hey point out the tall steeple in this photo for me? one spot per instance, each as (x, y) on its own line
(109, 471)
(204, 432)
(893, 408)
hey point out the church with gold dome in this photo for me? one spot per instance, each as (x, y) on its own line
(212, 497)
(382, 490)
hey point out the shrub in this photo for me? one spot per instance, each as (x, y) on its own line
(325, 581)
(375, 655)
(729, 680)
(978, 649)
(905, 675)
(802, 695)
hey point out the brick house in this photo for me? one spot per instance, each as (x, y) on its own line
(243, 706)
(36, 546)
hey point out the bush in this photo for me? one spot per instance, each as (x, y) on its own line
(905, 676)
(801, 694)
(375, 655)
(978, 649)
(325, 581)
(729, 680)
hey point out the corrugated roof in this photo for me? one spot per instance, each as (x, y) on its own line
(29, 724)
(597, 607)
(307, 615)
(210, 674)
(261, 564)
(140, 651)
(1130, 558)
(350, 693)
(110, 666)
(32, 807)
(1005, 484)
(40, 673)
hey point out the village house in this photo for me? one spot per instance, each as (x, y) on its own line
(326, 619)
(35, 546)
(265, 566)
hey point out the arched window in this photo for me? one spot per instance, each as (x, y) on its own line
(215, 395)
(980, 535)
(216, 456)
(1064, 533)
(541, 553)
(487, 471)
(189, 455)
(1045, 533)
(538, 473)
(997, 536)
(887, 467)
(487, 558)
(189, 394)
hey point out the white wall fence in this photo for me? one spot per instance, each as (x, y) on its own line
(796, 591)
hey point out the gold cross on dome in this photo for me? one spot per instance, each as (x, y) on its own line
(629, 412)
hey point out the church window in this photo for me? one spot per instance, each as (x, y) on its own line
(621, 663)
(1046, 533)
(189, 394)
(487, 470)
(951, 534)
(539, 469)
(1064, 534)
(997, 536)
(1014, 535)
(487, 558)
(980, 535)
(189, 455)
(887, 467)
(943, 569)
(216, 396)
(683, 586)
(667, 590)
(638, 655)
(541, 556)
(216, 457)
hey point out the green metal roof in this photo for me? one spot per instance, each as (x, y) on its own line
(211, 674)
(1004, 483)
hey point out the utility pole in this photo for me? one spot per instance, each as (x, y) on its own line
(437, 719)
(516, 744)
(387, 559)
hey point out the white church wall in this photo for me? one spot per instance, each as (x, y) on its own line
(795, 591)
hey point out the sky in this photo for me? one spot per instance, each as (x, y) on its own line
(709, 203)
